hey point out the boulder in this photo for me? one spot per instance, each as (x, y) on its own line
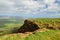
(28, 26)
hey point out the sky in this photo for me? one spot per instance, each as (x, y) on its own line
(31, 8)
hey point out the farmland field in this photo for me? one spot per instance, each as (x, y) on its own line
(8, 26)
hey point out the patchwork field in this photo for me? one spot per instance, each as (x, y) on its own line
(8, 24)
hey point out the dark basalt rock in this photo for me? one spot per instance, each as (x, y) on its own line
(28, 26)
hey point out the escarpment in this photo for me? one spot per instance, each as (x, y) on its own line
(28, 26)
(31, 26)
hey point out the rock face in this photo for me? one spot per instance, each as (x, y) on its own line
(28, 26)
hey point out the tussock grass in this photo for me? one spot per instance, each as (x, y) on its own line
(50, 23)
(49, 35)
(53, 23)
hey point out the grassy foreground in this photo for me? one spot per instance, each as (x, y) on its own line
(49, 35)
(6, 31)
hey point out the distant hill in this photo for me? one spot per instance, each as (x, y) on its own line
(10, 20)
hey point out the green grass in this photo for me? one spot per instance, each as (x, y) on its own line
(48, 22)
(13, 37)
(7, 26)
(49, 35)
(10, 26)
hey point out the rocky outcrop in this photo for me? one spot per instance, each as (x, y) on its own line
(28, 26)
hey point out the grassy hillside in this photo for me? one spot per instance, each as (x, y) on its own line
(11, 25)
(53, 23)
(49, 35)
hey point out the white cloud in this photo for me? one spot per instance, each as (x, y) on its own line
(53, 7)
(49, 1)
(28, 6)
(6, 2)
(6, 6)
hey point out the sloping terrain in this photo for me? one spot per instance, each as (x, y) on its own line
(33, 25)
(48, 29)
(49, 23)
(49, 35)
